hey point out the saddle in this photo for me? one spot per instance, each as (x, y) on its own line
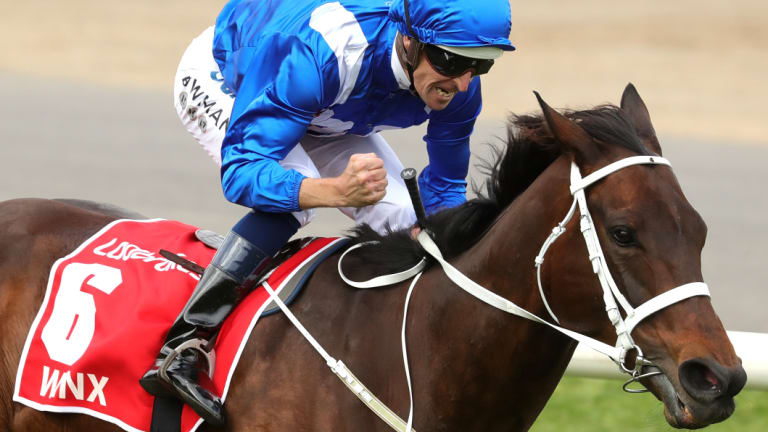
(293, 286)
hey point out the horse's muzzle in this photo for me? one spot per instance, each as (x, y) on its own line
(704, 394)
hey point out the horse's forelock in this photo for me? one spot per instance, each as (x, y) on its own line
(610, 126)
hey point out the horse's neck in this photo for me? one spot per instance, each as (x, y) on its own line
(509, 365)
(504, 257)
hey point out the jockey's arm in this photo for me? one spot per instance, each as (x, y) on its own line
(269, 118)
(443, 182)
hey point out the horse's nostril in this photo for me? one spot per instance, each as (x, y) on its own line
(711, 379)
(701, 381)
(706, 380)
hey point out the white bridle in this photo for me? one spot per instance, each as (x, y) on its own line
(611, 295)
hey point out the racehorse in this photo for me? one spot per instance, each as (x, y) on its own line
(473, 367)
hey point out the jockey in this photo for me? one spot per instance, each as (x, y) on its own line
(289, 97)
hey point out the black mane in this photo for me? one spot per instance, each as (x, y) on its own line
(530, 149)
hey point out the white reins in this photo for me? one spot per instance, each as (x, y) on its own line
(611, 295)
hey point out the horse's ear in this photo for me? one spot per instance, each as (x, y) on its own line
(574, 139)
(632, 104)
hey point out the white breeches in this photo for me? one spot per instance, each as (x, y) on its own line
(204, 104)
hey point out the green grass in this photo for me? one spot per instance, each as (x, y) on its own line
(581, 404)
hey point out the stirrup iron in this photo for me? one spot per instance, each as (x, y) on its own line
(195, 344)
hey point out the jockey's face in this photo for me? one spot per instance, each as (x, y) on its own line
(436, 90)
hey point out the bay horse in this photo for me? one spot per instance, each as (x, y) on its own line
(473, 367)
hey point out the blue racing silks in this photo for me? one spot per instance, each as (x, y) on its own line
(325, 68)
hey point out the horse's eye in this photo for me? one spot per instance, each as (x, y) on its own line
(624, 235)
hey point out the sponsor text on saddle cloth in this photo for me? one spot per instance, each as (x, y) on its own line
(106, 310)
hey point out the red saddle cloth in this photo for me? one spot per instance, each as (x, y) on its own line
(107, 308)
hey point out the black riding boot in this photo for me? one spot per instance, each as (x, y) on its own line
(234, 271)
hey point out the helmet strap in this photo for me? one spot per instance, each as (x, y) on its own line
(412, 89)
(411, 58)
(408, 21)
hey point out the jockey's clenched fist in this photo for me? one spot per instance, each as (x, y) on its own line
(363, 182)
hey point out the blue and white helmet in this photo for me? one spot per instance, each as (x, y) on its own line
(472, 28)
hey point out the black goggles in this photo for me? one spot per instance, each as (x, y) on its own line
(452, 65)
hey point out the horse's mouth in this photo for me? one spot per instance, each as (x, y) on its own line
(676, 411)
(679, 413)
